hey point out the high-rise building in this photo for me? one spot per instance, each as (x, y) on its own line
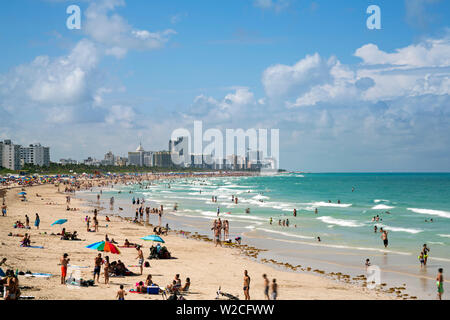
(35, 154)
(10, 155)
(136, 158)
(162, 159)
(109, 159)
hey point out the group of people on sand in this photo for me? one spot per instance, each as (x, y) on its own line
(139, 216)
(219, 226)
(272, 287)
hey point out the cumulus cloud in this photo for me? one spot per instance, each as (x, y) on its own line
(112, 30)
(429, 53)
(415, 70)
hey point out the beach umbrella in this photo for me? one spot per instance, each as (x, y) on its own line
(22, 193)
(154, 238)
(104, 246)
(60, 221)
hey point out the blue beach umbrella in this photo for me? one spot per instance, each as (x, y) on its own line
(154, 238)
(22, 193)
(60, 221)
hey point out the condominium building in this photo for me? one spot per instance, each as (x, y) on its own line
(35, 154)
(10, 155)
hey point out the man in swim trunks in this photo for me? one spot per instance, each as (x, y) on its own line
(140, 257)
(385, 238)
(246, 285)
(274, 289)
(266, 286)
(64, 262)
(440, 283)
(98, 264)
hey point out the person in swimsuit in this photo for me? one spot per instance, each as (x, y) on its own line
(274, 289)
(440, 283)
(266, 286)
(425, 251)
(121, 293)
(64, 262)
(384, 237)
(106, 270)
(98, 264)
(140, 257)
(246, 285)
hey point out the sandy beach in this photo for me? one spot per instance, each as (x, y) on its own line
(208, 267)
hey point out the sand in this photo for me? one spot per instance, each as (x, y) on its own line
(207, 266)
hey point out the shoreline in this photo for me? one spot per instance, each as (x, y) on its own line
(399, 276)
(191, 255)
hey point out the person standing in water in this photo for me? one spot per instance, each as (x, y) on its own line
(384, 237)
(425, 251)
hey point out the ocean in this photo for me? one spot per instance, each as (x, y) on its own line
(346, 204)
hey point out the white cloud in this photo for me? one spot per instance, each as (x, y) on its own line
(430, 53)
(123, 116)
(415, 70)
(112, 30)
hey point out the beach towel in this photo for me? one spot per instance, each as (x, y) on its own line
(34, 247)
(39, 275)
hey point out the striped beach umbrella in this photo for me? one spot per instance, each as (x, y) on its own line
(104, 246)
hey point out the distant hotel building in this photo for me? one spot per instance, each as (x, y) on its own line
(66, 162)
(35, 154)
(9, 155)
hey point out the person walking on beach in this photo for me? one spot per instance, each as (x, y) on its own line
(64, 262)
(440, 283)
(246, 285)
(274, 289)
(140, 258)
(384, 237)
(98, 264)
(266, 286)
(37, 221)
(27, 222)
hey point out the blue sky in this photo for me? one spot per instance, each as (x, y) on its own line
(344, 97)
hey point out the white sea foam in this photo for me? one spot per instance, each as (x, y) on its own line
(399, 229)
(382, 207)
(321, 244)
(340, 222)
(327, 204)
(285, 233)
(444, 235)
(380, 200)
(440, 213)
(440, 243)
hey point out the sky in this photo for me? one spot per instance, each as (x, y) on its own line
(344, 97)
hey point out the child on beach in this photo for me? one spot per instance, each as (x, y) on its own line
(121, 293)
(422, 260)
(440, 283)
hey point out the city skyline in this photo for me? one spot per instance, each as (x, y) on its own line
(344, 97)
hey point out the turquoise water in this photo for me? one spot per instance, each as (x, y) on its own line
(346, 229)
(410, 198)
